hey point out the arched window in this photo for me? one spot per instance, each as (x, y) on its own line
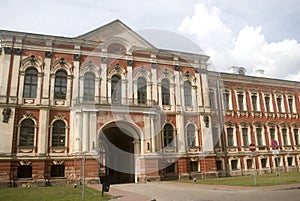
(168, 133)
(58, 134)
(191, 135)
(187, 93)
(27, 133)
(165, 92)
(60, 86)
(116, 91)
(142, 90)
(89, 87)
(30, 83)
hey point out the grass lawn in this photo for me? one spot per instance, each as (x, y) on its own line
(261, 180)
(59, 193)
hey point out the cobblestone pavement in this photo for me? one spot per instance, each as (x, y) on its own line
(173, 191)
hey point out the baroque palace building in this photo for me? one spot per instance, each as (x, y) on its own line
(110, 103)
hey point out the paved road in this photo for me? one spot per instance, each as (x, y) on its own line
(172, 191)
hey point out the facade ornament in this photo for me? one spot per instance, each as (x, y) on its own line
(76, 57)
(6, 114)
(48, 54)
(7, 50)
(206, 121)
(17, 51)
(176, 67)
(59, 117)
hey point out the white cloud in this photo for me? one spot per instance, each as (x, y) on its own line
(249, 48)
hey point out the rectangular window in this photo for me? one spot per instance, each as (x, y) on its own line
(230, 136)
(216, 136)
(290, 161)
(284, 136)
(194, 166)
(170, 168)
(226, 100)
(263, 162)
(57, 171)
(267, 102)
(219, 165)
(254, 102)
(212, 100)
(279, 107)
(249, 163)
(259, 136)
(272, 133)
(277, 161)
(296, 136)
(245, 137)
(241, 101)
(234, 164)
(24, 171)
(291, 103)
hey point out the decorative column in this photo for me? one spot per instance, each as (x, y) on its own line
(38, 92)
(198, 88)
(47, 67)
(103, 98)
(180, 133)
(75, 90)
(85, 132)
(129, 81)
(68, 97)
(154, 81)
(15, 73)
(153, 132)
(78, 132)
(178, 85)
(4, 74)
(93, 131)
(43, 132)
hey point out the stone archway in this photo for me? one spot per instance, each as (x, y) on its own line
(120, 141)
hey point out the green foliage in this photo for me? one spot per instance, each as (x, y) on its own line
(261, 180)
(59, 193)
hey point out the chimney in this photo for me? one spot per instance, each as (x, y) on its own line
(237, 70)
(259, 72)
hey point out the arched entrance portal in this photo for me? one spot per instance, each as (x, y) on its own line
(119, 145)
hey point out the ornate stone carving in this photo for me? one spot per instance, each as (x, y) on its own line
(154, 65)
(25, 162)
(48, 54)
(7, 50)
(103, 60)
(59, 117)
(129, 62)
(17, 51)
(6, 114)
(176, 67)
(76, 57)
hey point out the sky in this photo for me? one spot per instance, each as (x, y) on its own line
(257, 34)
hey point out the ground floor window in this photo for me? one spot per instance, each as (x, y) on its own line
(249, 163)
(263, 162)
(277, 161)
(170, 168)
(234, 164)
(219, 165)
(24, 171)
(290, 161)
(57, 171)
(194, 166)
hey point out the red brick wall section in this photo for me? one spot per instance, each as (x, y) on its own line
(5, 170)
(208, 165)
(38, 169)
(182, 166)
